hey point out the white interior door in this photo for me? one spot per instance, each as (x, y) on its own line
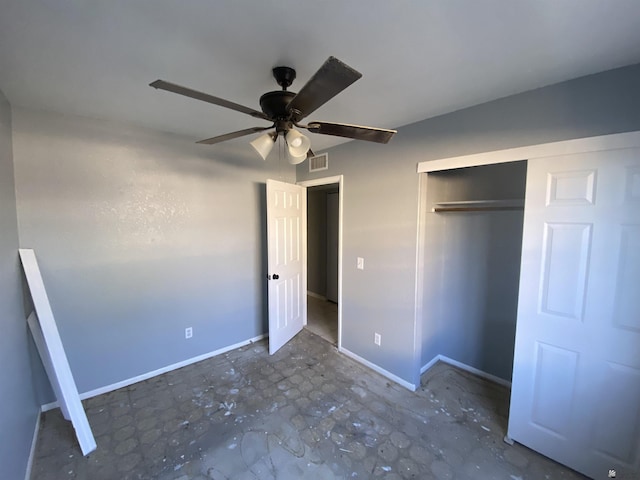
(576, 377)
(287, 259)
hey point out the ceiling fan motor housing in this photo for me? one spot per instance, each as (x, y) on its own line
(274, 104)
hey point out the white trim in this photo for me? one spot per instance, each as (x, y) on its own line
(340, 262)
(430, 364)
(46, 336)
(34, 443)
(468, 368)
(316, 182)
(419, 276)
(145, 376)
(339, 179)
(566, 147)
(378, 369)
(316, 295)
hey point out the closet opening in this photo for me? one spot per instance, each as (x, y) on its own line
(472, 250)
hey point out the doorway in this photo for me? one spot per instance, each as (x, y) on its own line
(473, 244)
(324, 233)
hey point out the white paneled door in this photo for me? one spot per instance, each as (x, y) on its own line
(576, 377)
(287, 259)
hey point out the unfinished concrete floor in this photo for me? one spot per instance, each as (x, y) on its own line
(322, 318)
(306, 412)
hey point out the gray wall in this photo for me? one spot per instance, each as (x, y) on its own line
(472, 268)
(18, 404)
(139, 235)
(381, 194)
(333, 243)
(317, 240)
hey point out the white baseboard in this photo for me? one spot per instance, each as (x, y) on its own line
(32, 452)
(380, 370)
(433, 361)
(316, 295)
(154, 373)
(468, 368)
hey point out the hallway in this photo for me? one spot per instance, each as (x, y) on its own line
(322, 318)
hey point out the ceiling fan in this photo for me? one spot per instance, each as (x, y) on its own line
(285, 109)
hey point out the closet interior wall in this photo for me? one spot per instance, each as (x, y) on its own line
(472, 265)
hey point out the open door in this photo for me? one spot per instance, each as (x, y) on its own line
(287, 261)
(576, 376)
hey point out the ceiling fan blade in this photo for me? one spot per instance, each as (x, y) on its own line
(229, 136)
(205, 97)
(332, 77)
(370, 134)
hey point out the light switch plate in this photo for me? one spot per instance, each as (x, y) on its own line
(360, 263)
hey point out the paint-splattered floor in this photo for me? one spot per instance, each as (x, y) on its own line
(307, 412)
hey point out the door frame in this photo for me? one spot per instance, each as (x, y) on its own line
(339, 179)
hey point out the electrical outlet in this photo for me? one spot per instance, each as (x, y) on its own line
(360, 263)
(188, 332)
(377, 339)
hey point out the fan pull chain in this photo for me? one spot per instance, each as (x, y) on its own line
(281, 155)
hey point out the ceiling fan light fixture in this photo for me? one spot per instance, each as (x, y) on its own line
(263, 145)
(295, 160)
(297, 144)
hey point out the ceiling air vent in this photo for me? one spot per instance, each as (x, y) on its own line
(319, 162)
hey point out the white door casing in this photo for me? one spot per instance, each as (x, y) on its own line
(576, 376)
(339, 179)
(287, 261)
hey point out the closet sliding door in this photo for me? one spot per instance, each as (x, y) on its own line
(576, 377)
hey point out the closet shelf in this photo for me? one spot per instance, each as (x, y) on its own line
(479, 205)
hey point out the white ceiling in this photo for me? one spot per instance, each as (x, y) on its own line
(418, 58)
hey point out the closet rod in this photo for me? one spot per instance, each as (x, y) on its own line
(472, 209)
